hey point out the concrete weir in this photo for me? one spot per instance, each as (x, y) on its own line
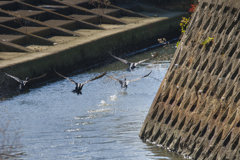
(39, 35)
(196, 111)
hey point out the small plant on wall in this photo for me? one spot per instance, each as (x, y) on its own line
(193, 8)
(207, 41)
(185, 21)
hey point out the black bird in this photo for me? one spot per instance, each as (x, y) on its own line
(79, 86)
(125, 82)
(134, 64)
(23, 82)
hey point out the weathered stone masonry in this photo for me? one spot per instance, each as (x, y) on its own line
(196, 111)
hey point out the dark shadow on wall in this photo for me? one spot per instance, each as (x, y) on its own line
(173, 5)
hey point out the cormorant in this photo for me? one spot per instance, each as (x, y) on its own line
(23, 82)
(78, 88)
(125, 82)
(134, 64)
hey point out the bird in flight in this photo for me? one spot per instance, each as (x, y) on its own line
(132, 65)
(23, 82)
(79, 86)
(125, 82)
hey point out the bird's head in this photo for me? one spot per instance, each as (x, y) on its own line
(27, 78)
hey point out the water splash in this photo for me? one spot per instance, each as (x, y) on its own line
(100, 110)
(113, 97)
(103, 103)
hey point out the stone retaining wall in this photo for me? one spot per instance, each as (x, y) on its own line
(196, 109)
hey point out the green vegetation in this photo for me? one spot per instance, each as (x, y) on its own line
(177, 43)
(206, 41)
(185, 21)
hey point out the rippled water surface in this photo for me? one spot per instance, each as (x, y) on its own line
(102, 123)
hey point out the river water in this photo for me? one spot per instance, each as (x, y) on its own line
(102, 123)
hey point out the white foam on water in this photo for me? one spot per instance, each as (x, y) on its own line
(100, 110)
(113, 97)
(86, 123)
(103, 103)
(91, 116)
(87, 117)
(73, 130)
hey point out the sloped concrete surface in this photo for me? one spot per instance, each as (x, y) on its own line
(196, 109)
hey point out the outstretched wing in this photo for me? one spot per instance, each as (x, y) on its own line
(155, 78)
(95, 78)
(140, 77)
(65, 77)
(38, 77)
(17, 79)
(147, 59)
(114, 78)
(120, 59)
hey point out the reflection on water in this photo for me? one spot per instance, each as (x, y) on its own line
(102, 123)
